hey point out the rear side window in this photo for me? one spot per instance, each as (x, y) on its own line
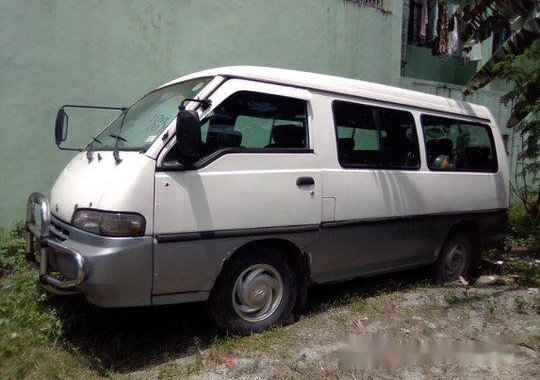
(254, 120)
(457, 145)
(377, 137)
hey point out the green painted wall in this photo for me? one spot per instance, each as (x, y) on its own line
(423, 65)
(110, 52)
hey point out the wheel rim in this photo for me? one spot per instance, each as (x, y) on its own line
(456, 261)
(257, 292)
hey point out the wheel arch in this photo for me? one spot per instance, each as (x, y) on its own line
(471, 228)
(298, 260)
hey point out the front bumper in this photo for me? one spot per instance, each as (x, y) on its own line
(38, 222)
(110, 272)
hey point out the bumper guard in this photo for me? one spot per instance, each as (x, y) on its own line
(38, 220)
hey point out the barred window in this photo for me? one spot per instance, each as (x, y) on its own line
(379, 4)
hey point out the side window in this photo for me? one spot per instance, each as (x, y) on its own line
(369, 136)
(256, 120)
(458, 145)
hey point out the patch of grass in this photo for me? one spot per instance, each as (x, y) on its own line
(521, 304)
(12, 246)
(265, 339)
(453, 298)
(528, 272)
(431, 302)
(222, 346)
(226, 346)
(342, 319)
(31, 327)
(196, 365)
(493, 306)
(534, 341)
(247, 370)
(27, 318)
(357, 305)
(522, 232)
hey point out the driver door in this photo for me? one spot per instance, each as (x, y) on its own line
(256, 171)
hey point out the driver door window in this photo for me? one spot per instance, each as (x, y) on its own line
(253, 121)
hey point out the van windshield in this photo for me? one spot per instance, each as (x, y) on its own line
(138, 127)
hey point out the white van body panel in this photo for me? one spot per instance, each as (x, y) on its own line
(105, 185)
(221, 197)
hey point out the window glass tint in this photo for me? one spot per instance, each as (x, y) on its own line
(375, 137)
(458, 145)
(255, 120)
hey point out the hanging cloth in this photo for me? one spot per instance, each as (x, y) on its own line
(422, 33)
(454, 42)
(476, 52)
(404, 32)
(440, 45)
(433, 18)
(414, 25)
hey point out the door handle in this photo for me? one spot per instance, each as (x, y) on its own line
(305, 181)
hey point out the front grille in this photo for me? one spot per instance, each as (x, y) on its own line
(59, 231)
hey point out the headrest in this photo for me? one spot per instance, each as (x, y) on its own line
(481, 151)
(219, 139)
(439, 146)
(288, 136)
(346, 144)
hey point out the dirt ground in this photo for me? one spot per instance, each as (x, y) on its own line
(180, 342)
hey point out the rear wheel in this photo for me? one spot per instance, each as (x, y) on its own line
(454, 259)
(255, 291)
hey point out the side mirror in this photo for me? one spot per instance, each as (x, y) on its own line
(60, 127)
(188, 135)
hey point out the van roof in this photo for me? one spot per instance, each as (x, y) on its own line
(346, 86)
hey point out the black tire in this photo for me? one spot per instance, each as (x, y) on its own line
(454, 259)
(223, 306)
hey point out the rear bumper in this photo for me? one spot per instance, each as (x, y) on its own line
(110, 272)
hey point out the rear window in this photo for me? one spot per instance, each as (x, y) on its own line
(457, 145)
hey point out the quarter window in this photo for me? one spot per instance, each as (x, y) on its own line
(369, 136)
(458, 145)
(256, 121)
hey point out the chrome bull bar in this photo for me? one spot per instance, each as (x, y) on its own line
(38, 220)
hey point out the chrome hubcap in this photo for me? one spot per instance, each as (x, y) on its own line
(257, 292)
(456, 261)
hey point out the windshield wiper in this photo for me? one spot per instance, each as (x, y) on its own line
(117, 137)
(91, 148)
(116, 153)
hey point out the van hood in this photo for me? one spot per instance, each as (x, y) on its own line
(103, 184)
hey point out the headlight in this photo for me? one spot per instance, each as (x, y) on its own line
(108, 223)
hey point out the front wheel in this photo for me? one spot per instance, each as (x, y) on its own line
(255, 291)
(454, 259)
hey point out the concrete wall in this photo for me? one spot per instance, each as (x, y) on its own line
(110, 52)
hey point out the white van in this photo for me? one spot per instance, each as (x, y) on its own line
(243, 185)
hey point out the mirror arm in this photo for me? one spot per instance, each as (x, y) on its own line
(71, 149)
(94, 107)
(205, 103)
(123, 109)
